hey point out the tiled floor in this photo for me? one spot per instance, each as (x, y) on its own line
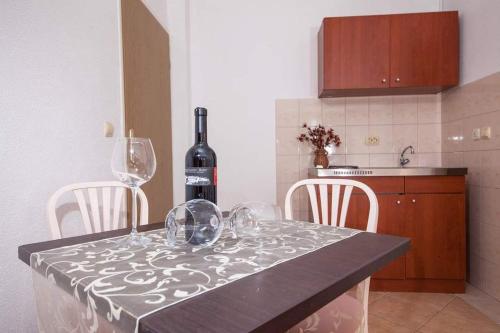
(430, 312)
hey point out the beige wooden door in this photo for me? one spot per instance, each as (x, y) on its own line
(146, 69)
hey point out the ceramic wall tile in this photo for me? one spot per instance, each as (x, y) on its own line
(451, 106)
(404, 110)
(341, 149)
(286, 141)
(483, 96)
(476, 105)
(281, 190)
(453, 160)
(489, 209)
(429, 159)
(357, 111)
(337, 159)
(287, 113)
(360, 160)
(310, 111)
(305, 149)
(355, 140)
(333, 111)
(385, 135)
(287, 169)
(452, 136)
(429, 109)
(383, 160)
(474, 269)
(472, 161)
(491, 120)
(473, 225)
(489, 273)
(303, 203)
(490, 168)
(404, 136)
(429, 138)
(306, 162)
(468, 125)
(380, 110)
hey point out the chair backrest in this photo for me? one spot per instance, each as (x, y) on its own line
(92, 218)
(336, 186)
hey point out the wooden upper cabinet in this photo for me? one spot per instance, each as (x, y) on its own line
(351, 40)
(424, 50)
(388, 54)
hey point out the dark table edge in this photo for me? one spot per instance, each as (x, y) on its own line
(326, 296)
(282, 322)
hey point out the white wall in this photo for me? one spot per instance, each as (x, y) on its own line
(479, 37)
(245, 55)
(59, 82)
(177, 22)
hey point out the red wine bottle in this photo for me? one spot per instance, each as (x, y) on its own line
(201, 163)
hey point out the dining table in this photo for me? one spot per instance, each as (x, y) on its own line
(265, 282)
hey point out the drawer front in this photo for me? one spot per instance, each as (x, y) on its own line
(435, 184)
(379, 184)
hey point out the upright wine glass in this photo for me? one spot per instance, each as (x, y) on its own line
(134, 163)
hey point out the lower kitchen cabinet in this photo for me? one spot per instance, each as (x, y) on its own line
(390, 221)
(431, 212)
(436, 226)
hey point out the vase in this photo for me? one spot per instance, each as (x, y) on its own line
(321, 158)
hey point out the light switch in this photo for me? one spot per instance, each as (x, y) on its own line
(108, 129)
(476, 134)
(486, 132)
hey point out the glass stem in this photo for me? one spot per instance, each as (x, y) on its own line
(134, 190)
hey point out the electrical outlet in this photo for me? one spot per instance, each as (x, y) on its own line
(372, 140)
(476, 134)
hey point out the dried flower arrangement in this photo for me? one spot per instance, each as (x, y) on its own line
(320, 137)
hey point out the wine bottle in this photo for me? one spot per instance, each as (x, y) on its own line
(201, 175)
(201, 163)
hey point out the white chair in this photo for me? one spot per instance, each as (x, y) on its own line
(110, 193)
(345, 302)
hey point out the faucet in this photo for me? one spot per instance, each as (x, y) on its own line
(404, 161)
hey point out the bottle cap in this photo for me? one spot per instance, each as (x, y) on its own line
(199, 111)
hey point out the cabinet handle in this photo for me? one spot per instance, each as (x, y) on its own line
(413, 200)
(398, 202)
(397, 79)
(384, 80)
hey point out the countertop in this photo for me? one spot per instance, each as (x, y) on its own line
(394, 172)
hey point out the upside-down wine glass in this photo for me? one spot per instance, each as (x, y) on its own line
(134, 163)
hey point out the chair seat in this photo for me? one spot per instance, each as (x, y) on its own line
(342, 315)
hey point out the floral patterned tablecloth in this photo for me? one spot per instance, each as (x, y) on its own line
(116, 287)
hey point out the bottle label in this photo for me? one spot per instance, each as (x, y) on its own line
(201, 176)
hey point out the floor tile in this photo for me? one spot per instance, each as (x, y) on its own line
(437, 300)
(375, 295)
(380, 325)
(409, 311)
(483, 302)
(458, 316)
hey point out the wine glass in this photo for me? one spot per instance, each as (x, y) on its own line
(134, 163)
(196, 223)
(247, 219)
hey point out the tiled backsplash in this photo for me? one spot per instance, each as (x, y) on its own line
(398, 121)
(477, 105)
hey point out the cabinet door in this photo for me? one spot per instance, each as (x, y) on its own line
(390, 221)
(356, 52)
(424, 49)
(436, 226)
